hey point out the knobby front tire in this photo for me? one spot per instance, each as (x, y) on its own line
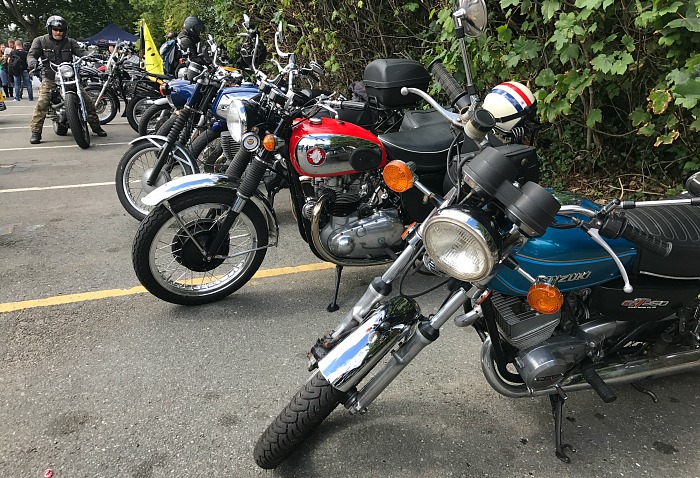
(308, 408)
(170, 265)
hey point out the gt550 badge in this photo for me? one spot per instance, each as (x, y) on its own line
(644, 303)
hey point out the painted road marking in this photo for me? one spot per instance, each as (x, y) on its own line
(45, 126)
(54, 147)
(67, 186)
(106, 294)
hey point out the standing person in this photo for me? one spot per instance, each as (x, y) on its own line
(18, 67)
(7, 76)
(56, 47)
(4, 78)
(168, 52)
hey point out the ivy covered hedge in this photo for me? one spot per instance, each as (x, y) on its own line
(617, 82)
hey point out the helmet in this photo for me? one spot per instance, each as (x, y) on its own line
(194, 26)
(56, 21)
(511, 103)
(171, 36)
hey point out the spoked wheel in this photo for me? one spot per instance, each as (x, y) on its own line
(107, 107)
(133, 171)
(308, 408)
(77, 124)
(136, 107)
(207, 150)
(167, 256)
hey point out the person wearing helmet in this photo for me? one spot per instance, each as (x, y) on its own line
(56, 47)
(188, 39)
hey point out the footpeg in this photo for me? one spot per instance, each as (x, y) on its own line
(603, 390)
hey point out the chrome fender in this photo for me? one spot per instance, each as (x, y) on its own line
(349, 361)
(181, 154)
(160, 101)
(191, 182)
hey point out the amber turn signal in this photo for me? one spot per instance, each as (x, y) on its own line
(269, 142)
(545, 298)
(397, 176)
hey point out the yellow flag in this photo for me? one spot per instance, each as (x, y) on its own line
(151, 58)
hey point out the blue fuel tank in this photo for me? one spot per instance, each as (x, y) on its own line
(569, 255)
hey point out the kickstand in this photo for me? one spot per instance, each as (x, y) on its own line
(333, 306)
(557, 400)
(646, 391)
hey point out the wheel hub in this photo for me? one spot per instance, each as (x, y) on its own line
(163, 178)
(186, 252)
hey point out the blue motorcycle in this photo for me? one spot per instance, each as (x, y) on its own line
(565, 295)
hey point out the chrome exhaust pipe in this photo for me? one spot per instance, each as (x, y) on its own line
(633, 371)
(350, 360)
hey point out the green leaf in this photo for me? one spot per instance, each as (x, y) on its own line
(570, 52)
(667, 138)
(545, 78)
(659, 101)
(550, 8)
(639, 116)
(504, 34)
(602, 63)
(411, 7)
(509, 3)
(592, 4)
(595, 116)
(628, 42)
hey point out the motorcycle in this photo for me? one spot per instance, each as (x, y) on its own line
(154, 160)
(67, 106)
(565, 295)
(209, 233)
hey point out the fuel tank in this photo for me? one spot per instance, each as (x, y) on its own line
(570, 255)
(180, 91)
(224, 98)
(322, 147)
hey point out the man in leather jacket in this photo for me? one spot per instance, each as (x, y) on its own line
(56, 47)
(189, 38)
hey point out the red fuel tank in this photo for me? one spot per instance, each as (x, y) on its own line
(322, 147)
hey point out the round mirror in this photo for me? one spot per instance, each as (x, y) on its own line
(472, 15)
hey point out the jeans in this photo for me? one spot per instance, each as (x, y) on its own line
(6, 83)
(24, 77)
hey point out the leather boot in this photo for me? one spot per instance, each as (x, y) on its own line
(36, 138)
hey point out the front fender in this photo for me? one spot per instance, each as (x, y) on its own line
(188, 183)
(181, 153)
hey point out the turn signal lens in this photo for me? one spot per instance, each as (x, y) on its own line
(545, 298)
(397, 176)
(269, 142)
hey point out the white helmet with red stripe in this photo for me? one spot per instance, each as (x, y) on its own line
(510, 103)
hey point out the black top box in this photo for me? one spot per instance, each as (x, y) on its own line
(384, 78)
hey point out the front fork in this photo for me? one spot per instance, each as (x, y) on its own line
(173, 135)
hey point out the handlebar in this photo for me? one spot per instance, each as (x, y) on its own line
(458, 96)
(618, 226)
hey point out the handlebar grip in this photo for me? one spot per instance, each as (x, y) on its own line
(603, 390)
(619, 226)
(458, 96)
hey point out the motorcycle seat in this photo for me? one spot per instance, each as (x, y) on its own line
(679, 225)
(426, 146)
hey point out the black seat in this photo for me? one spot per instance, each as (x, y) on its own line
(679, 225)
(426, 146)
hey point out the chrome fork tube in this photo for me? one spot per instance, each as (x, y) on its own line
(407, 352)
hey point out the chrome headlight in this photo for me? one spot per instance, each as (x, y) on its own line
(463, 244)
(237, 120)
(66, 71)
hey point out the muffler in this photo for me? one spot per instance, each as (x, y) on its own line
(658, 366)
(349, 361)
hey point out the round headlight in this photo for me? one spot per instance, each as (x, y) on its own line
(66, 71)
(236, 120)
(461, 245)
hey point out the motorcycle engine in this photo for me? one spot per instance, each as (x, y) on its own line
(542, 358)
(351, 228)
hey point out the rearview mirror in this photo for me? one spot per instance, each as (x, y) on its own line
(472, 16)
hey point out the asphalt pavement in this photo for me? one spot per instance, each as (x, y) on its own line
(100, 379)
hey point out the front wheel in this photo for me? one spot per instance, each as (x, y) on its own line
(137, 106)
(307, 409)
(153, 118)
(77, 124)
(168, 262)
(108, 105)
(133, 171)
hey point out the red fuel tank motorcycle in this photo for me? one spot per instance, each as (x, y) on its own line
(209, 233)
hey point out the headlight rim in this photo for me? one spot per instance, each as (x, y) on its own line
(490, 240)
(237, 108)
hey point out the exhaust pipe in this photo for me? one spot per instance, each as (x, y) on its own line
(659, 366)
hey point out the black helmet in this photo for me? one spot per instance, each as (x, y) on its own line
(194, 26)
(171, 36)
(56, 22)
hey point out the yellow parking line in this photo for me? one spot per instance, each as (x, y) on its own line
(105, 294)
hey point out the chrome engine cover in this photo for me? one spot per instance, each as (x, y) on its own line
(350, 237)
(544, 365)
